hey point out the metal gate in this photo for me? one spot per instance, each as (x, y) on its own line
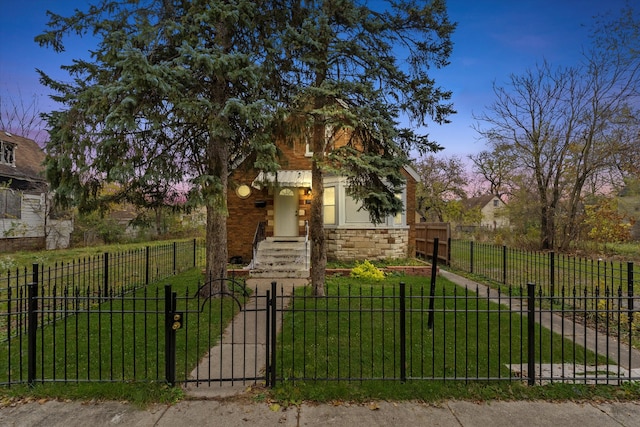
(235, 336)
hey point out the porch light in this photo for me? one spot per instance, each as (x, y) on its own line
(243, 191)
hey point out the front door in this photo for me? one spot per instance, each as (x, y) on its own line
(286, 212)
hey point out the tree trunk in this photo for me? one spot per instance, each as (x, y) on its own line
(216, 202)
(318, 244)
(216, 251)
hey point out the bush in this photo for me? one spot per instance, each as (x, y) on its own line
(367, 271)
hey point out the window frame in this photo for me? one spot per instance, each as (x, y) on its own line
(7, 147)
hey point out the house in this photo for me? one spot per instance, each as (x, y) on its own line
(492, 212)
(273, 211)
(26, 220)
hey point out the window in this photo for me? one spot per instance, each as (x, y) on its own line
(329, 201)
(10, 204)
(354, 212)
(7, 153)
(397, 220)
(495, 203)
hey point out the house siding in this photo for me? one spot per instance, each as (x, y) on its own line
(26, 232)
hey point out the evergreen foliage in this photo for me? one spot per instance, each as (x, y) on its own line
(181, 91)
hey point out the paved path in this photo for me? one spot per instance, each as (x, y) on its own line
(241, 353)
(627, 357)
(232, 413)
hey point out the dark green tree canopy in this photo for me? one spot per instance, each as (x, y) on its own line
(179, 91)
(375, 60)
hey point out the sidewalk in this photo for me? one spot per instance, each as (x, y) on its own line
(235, 412)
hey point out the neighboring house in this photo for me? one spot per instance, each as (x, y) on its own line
(629, 205)
(492, 211)
(25, 206)
(282, 204)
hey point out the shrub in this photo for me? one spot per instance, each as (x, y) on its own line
(367, 271)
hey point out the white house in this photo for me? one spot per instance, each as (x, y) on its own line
(492, 209)
(26, 221)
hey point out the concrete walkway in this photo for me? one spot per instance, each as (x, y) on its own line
(235, 412)
(241, 353)
(627, 357)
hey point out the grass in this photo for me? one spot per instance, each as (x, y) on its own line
(320, 345)
(119, 356)
(25, 259)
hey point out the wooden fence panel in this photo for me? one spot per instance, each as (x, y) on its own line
(426, 232)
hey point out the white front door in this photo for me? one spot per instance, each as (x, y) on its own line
(285, 212)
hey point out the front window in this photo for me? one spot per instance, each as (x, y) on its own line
(397, 220)
(354, 212)
(7, 153)
(329, 205)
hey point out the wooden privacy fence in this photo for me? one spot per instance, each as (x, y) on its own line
(426, 233)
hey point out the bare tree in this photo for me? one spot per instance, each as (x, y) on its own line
(563, 126)
(22, 117)
(442, 180)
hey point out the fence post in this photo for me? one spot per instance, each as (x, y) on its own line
(170, 336)
(403, 333)
(504, 264)
(146, 265)
(552, 275)
(449, 251)
(630, 287)
(32, 289)
(174, 258)
(434, 269)
(105, 276)
(531, 331)
(195, 257)
(471, 257)
(272, 370)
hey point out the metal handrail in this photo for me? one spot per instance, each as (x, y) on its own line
(258, 237)
(306, 244)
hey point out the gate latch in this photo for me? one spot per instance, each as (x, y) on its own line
(177, 321)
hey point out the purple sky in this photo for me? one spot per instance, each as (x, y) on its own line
(495, 38)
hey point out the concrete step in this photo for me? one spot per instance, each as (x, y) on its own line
(279, 274)
(276, 258)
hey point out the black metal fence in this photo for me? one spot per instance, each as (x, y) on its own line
(415, 329)
(554, 274)
(153, 333)
(98, 277)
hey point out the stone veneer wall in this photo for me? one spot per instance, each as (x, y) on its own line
(351, 244)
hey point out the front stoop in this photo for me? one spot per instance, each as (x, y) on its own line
(279, 258)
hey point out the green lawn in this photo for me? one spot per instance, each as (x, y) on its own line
(356, 339)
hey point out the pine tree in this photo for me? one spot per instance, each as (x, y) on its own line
(176, 91)
(364, 68)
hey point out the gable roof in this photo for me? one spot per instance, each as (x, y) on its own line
(29, 159)
(477, 202)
